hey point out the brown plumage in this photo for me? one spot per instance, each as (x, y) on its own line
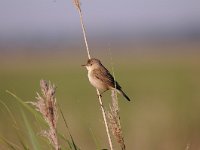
(101, 78)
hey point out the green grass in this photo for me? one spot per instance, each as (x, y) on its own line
(164, 109)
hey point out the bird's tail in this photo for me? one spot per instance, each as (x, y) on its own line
(122, 93)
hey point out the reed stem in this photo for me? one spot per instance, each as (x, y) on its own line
(77, 5)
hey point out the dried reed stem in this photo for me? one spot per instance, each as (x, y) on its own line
(78, 7)
(46, 105)
(105, 120)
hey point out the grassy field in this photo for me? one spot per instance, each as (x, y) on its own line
(163, 114)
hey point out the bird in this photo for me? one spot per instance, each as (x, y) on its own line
(101, 78)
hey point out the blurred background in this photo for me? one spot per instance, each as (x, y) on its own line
(154, 47)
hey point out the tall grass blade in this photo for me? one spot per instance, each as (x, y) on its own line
(95, 140)
(28, 107)
(67, 127)
(32, 136)
(25, 147)
(9, 112)
(15, 125)
(10, 144)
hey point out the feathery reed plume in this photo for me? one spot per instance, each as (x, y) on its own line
(78, 7)
(114, 120)
(46, 105)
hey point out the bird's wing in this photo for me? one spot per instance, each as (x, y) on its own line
(104, 75)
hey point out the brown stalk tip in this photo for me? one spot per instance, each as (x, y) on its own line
(77, 4)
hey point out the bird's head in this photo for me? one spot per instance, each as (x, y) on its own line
(92, 64)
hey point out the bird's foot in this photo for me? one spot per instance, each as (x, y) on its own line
(99, 95)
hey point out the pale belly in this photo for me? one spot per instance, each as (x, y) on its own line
(97, 83)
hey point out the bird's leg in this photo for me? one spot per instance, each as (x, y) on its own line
(102, 93)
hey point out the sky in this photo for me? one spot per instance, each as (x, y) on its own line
(58, 18)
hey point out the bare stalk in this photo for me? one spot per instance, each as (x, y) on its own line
(78, 7)
(105, 120)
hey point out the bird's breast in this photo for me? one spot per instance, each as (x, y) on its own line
(97, 83)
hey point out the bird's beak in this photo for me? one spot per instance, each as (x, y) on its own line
(84, 65)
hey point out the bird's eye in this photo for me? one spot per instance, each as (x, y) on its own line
(90, 64)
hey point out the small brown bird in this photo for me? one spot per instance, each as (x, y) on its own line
(101, 78)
